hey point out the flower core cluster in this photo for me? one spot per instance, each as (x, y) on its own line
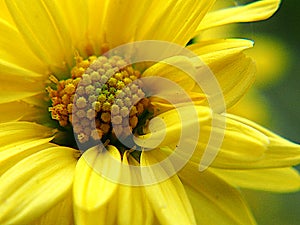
(103, 99)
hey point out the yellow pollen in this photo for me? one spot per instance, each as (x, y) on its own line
(99, 92)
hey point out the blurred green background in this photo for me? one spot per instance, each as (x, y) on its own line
(284, 96)
(281, 96)
(273, 101)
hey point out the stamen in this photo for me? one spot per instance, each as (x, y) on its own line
(99, 92)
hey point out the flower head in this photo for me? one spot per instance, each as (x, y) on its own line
(107, 116)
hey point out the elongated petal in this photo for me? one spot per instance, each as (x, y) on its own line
(43, 28)
(60, 214)
(279, 153)
(16, 56)
(96, 16)
(276, 180)
(234, 71)
(213, 200)
(7, 96)
(5, 13)
(36, 184)
(220, 47)
(116, 12)
(169, 69)
(19, 90)
(258, 10)
(219, 142)
(18, 81)
(161, 105)
(94, 195)
(137, 210)
(168, 20)
(21, 73)
(19, 109)
(168, 198)
(18, 140)
(241, 144)
(9, 156)
(12, 132)
(231, 74)
(76, 18)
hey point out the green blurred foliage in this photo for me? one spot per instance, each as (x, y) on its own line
(283, 98)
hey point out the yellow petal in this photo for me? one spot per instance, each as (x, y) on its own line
(168, 198)
(223, 47)
(76, 17)
(279, 153)
(60, 214)
(36, 184)
(5, 13)
(94, 195)
(137, 210)
(213, 200)
(219, 142)
(176, 69)
(96, 15)
(174, 21)
(12, 132)
(276, 180)
(13, 90)
(161, 105)
(170, 83)
(21, 73)
(14, 152)
(18, 87)
(234, 71)
(43, 28)
(258, 10)
(116, 11)
(16, 57)
(7, 96)
(13, 111)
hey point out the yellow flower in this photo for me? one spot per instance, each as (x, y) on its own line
(53, 171)
(254, 105)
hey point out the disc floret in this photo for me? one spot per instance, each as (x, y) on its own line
(102, 99)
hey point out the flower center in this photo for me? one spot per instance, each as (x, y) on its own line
(103, 99)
